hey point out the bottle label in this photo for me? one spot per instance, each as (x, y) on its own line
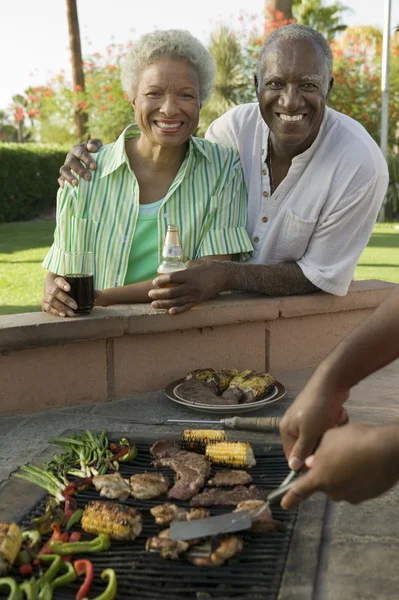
(173, 251)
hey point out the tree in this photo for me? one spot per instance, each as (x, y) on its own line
(326, 19)
(230, 80)
(8, 133)
(78, 80)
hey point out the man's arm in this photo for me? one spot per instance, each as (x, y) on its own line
(207, 280)
(374, 344)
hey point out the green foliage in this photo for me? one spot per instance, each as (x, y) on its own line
(28, 180)
(392, 199)
(326, 19)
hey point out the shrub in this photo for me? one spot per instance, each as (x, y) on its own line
(392, 198)
(28, 180)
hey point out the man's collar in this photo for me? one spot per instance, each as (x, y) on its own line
(118, 156)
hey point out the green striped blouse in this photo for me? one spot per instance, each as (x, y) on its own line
(207, 200)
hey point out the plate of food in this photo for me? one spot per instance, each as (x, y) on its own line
(225, 390)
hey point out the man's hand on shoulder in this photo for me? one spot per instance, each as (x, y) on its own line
(73, 162)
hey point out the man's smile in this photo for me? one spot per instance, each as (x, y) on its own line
(290, 118)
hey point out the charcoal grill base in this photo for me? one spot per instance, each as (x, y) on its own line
(255, 574)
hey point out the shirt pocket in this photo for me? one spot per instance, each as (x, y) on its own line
(82, 234)
(293, 238)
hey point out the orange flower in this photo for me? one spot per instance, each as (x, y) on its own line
(125, 96)
(83, 105)
(48, 93)
(97, 95)
(103, 107)
(78, 88)
(110, 98)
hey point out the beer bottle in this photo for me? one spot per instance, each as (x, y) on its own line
(172, 253)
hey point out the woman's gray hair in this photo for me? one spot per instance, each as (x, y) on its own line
(169, 44)
(293, 32)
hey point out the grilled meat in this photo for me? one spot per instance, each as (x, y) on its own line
(217, 496)
(257, 387)
(10, 544)
(227, 548)
(233, 454)
(145, 486)
(199, 393)
(164, 514)
(265, 522)
(234, 391)
(167, 548)
(118, 521)
(191, 470)
(112, 486)
(230, 478)
(216, 379)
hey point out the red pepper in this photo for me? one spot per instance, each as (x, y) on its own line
(113, 447)
(118, 455)
(75, 536)
(84, 567)
(57, 535)
(71, 488)
(25, 570)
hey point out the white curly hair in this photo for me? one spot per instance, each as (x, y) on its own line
(172, 44)
(296, 31)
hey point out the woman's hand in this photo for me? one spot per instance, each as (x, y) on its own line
(354, 463)
(55, 300)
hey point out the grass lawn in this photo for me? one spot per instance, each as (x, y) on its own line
(24, 245)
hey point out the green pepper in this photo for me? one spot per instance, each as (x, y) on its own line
(27, 554)
(132, 451)
(30, 589)
(53, 569)
(53, 514)
(110, 591)
(99, 544)
(15, 592)
(66, 578)
(74, 518)
(46, 591)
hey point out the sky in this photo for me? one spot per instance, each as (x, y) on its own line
(34, 42)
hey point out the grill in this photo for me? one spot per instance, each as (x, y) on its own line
(254, 574)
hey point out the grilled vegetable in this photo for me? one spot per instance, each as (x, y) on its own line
(110, 591)
(101, 543)
(10, 543)
(234, 454)
(12, 585)
(256, 387)
(216, 379)
(234, 390)
(118, 521)
(195, 440)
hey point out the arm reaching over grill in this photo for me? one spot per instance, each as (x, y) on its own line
(145, 486)
(265, 522)
(191, 469)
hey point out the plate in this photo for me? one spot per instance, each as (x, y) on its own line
(172, 392)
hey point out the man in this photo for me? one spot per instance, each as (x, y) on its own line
(354, 462)
(315, 181)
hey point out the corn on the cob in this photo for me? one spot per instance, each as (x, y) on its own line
(234, 454)
(10, 544)
(118, 521)
(195, 440)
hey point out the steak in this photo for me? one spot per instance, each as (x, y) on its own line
(200, 393)
(230, 478)
(211, 496)
(191, 469)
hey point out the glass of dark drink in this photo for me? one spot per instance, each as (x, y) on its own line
(79, 269)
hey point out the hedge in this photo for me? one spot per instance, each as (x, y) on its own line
(28, 179)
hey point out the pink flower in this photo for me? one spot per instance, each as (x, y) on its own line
(78, 88)
(83, 105)
(103, 107)
(110, 98)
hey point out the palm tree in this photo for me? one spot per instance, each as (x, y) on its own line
(230, 80)
(78, 78)
(326, 19)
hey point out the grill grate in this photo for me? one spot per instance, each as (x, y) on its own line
(255, 574)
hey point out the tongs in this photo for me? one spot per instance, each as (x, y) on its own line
(228, 522)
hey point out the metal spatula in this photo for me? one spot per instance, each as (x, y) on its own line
(229, 522)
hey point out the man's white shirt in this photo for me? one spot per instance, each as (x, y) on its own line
(322, 214)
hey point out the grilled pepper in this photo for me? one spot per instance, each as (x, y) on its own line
(53, 514)
(98, 544)
(15, 592)
(111, 589)
(66, 578)
(53, 569)
(30, 589)
(84, 567)
(74, 518)
(31, 542)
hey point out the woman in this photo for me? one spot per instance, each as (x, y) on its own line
(155, 174)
